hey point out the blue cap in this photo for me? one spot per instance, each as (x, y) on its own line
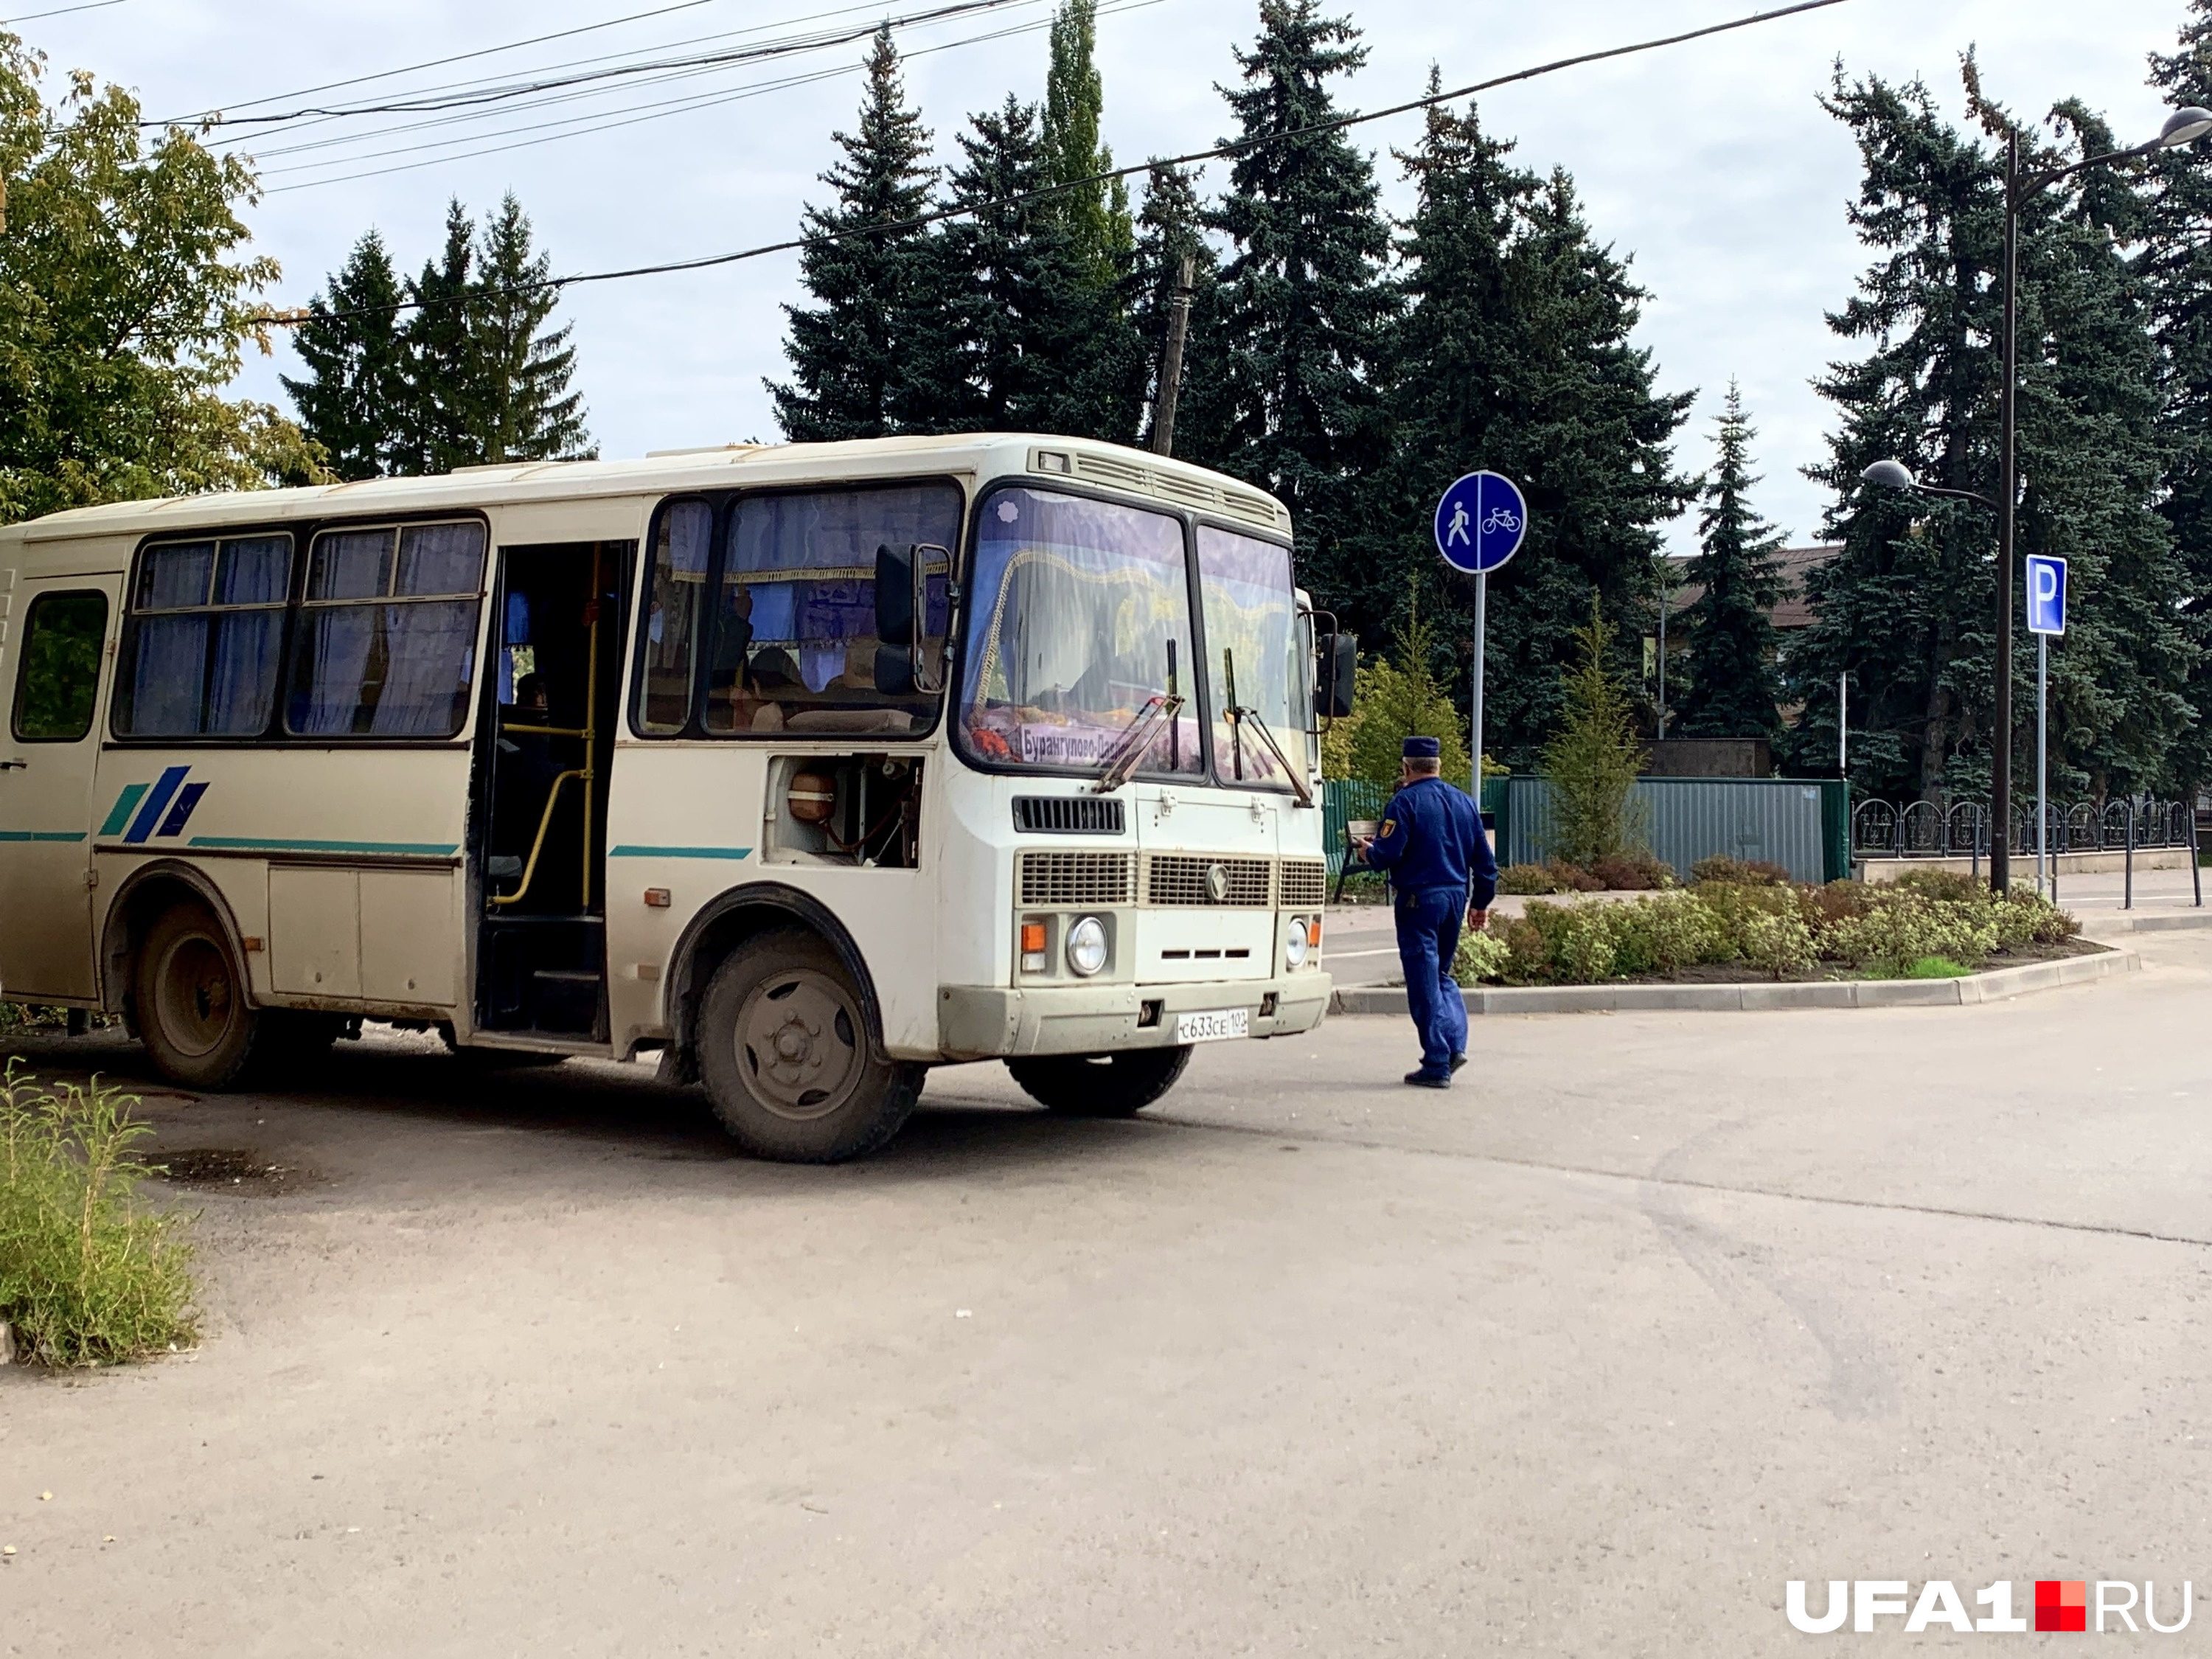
(1422, 749)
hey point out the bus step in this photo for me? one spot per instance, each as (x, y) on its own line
(565, 999)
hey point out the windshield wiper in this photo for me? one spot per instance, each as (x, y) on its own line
(1236, 714)
(1128, 750)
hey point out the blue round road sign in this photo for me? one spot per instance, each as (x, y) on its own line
(1480, 522)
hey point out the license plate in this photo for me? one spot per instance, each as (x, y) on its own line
(1214, 1025)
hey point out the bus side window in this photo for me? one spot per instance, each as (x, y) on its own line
(206, 625)
(795, 639)
(674, 603)
(387, 637)
(58, 677)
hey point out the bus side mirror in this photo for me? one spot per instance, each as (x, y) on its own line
(895, 671)
(895, 585)
(1340, 662)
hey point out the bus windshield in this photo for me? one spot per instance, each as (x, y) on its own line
(1079, 627)
(1254, 651)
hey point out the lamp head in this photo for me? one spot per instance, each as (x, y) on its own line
(1887, 475)
(2184, 125)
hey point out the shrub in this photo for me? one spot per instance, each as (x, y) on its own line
(1566, 943)
(1901, 929)
(1820, 907)
(1593, 761)
(1665, 933)
(87, 1275)
(1481, 956)
(1778, 942)
(1739, 873)
(1525, 878)
(1947, 885)
(2025, 917)
(1631, 872)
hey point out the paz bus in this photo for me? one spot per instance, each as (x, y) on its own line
(810, 766)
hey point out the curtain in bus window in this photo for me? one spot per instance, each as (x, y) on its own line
(795, 639)
(673, 608)
(205, 634)
(387, 638)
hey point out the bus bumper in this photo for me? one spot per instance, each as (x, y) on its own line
(983, 1021)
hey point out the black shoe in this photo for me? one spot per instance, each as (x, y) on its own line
(1423, 1080)
(1458, 1060)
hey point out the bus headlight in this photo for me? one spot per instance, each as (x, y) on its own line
(1086, 947)
(1294, 943)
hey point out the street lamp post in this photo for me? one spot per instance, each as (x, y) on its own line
(2181, 127)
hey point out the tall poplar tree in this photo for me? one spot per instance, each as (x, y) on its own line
(853, 352)
(1097, 215)
(1512, 352)
(353, 397)
(1303, 302)
(1733, 689)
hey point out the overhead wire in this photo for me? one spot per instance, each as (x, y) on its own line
(603, 121)
(58, 11)
(1220, 152)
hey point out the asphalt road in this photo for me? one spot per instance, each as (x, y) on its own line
(1587, 1356)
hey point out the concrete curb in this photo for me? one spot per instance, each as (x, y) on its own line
(2099, 924)
(1993, 986)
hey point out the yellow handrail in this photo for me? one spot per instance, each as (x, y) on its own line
(588, 772)
(545, 823)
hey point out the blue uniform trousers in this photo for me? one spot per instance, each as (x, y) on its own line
(1428, 939)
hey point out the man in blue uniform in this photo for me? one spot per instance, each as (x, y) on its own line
(1442, 870)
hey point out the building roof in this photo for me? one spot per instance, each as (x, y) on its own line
(1793, 565)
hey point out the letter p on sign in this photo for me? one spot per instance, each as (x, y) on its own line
(2046, 594)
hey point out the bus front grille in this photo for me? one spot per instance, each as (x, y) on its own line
(1187, 878)
(1305, 883)
(1068, 815)
(1053, 879)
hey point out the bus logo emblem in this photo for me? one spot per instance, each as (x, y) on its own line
(1217, 882)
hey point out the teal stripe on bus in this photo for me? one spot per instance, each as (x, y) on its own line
(119, 814)
(41, 835)
(678, 852)
(257, 844)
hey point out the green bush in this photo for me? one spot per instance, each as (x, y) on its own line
(1593, 760)
(1778, 942)
(1631, 872)
(1739, 872)
(1527, 880)
(1481, 956)
(1899, 929)
(1664, 934)
(88, 1276)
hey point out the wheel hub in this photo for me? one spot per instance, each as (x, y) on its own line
(797, 1044)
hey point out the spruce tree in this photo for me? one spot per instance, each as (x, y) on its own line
(1733, 687)
(854, 353)
(1907, 608)
(444, 403)
(527, 411)
(353, 399)
(1303, 302)
(1512, 352)
(2176, 262)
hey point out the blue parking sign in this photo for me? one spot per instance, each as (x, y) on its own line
(2046, 594)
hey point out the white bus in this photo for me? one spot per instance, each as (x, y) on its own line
(812, 766)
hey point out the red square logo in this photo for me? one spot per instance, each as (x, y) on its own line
(2062, 1604)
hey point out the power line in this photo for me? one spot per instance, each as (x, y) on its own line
(921, 220)
(608, 120)
(58, 11)
(431, 102)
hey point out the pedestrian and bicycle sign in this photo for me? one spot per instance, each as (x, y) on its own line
(2046, 594)
(1481, 523)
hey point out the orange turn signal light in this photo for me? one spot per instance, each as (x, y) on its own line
(1313, 934)
(1032, 937)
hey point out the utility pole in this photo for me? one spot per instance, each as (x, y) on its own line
(1163, 405)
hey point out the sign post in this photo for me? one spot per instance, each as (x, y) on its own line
(1480, 524)
(2046, 616)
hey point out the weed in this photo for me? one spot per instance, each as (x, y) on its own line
(88, 1275)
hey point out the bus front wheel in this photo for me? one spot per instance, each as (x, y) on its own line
(1101, 1086)
(190, 997)
(784, 1054)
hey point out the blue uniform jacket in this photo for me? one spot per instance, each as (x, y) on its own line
(1431, 836)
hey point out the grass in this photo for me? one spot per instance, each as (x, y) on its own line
(90, 1274)
(1935, 968)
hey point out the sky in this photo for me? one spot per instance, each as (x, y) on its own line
(1710, 165)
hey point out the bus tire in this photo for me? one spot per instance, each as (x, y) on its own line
(785, 1052)
(1101, 1086)
(190, 997)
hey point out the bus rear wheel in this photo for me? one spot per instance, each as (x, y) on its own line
(1101, 1086)
(190, 997)
(785, 1052)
